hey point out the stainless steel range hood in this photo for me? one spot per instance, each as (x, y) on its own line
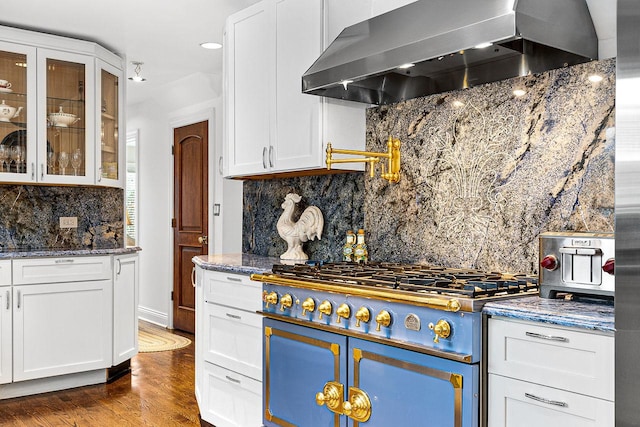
(440, 38)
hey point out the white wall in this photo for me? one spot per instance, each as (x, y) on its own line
(192, 98)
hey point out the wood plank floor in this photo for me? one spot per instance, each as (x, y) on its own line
(159, 391)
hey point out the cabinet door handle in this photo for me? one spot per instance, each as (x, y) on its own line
(271, 156)
(41, 171)
(233, 380)
(220, 165)
(8, 300)
(234, 279)
(33, 171)
(547, 401)
(119, 266)
(18, 302)
(264, 157)
(546, 337)
(100, 174)
(193, 278)
(64, 261)
(234, 316)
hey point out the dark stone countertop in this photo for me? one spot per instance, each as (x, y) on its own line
(236, 263)
(60, 252)
(585, 313)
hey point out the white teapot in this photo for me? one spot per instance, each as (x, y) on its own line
(8, 112)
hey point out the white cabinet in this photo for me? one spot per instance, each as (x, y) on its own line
(5, 323)
(228, 349)
(59, 110)
(549, 375)
(271, 126)
(125, 307)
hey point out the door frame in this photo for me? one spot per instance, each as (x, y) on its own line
(179, 118)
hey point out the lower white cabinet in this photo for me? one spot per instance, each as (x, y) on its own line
(228, 349)
(61, 328)
(125, 307)
(549, 375)
(5, 323)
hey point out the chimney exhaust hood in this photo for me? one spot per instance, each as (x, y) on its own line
(442, 39)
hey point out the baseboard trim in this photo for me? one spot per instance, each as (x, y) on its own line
(153, 316)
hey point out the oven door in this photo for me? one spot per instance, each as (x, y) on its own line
(405, 388)
(298, 363)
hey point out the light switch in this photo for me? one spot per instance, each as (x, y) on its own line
(68, 222)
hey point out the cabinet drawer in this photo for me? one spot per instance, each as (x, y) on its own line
(67, 269)
(233, 339)
(230, 399)
(233, 290)
(523, 404)
(5, 272)
(582, 362)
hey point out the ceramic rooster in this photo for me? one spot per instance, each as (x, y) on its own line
(308, 227)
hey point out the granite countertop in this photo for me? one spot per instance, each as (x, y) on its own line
(236, 263)
(57, 252)
(592, 314)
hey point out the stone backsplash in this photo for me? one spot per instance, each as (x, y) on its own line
(29, 217)
(484, 172)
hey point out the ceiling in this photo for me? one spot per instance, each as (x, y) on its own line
(165, 34)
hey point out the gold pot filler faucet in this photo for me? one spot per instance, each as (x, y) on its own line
(392, 155)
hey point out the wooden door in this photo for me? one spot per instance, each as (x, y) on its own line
(190, 217)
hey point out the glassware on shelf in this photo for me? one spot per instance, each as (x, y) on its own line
(76, 161)
(63, 161)
(4, 156)
(16, 156)
(51, 161)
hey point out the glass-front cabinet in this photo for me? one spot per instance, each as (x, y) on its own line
(61, 111)
(66, 119)
(17, 113)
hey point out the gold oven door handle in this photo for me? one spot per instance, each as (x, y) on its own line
(358, 407)
(331, 395)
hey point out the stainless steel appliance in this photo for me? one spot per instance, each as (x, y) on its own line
(451, 45)
(578, 263)
(378, 343)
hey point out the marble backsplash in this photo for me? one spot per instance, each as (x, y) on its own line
(29, 218)
(483, 174)
(339, 197)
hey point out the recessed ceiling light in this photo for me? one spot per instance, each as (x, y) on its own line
(519, 92)
(211, 45)
(405, 66)
(482, 45)
(595, 78)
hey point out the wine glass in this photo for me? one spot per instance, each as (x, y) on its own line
(63, 160)
(76, 161)
(16, 156)
(51, 161)
(4, 155)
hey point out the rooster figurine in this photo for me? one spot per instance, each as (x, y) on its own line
(308, 227)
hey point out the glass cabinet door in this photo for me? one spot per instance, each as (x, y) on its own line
(110, 157)
(17, 113)
(65, 150)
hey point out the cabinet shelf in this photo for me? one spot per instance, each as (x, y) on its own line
(108, 149)
(108, 116)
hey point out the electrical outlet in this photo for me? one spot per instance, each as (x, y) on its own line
(68, 222)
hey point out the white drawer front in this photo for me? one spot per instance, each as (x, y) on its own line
(5, 272)
(523, 404)
(582, 362)
(234, 339)
(67, 269)
(233, 290)
(230, 399)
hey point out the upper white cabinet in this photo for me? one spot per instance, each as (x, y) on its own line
(60, 110)
(270, 125)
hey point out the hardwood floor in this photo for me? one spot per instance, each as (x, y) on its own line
(159, 391)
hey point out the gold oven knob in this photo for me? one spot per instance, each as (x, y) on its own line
(362, 315)
(308, 305)
(325, 308)
(343, 311)
(270, 298)
(331, 395)
(285, 302)
(383, 319)
(441, 329)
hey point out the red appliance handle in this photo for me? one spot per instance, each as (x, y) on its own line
(609, 266)
(549, 262)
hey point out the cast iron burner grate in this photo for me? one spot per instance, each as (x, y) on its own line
(424, 279)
